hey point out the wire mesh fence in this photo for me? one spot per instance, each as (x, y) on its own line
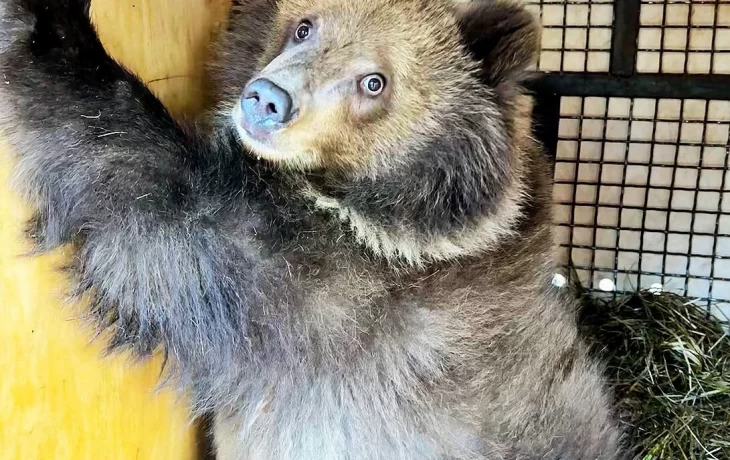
(633, 101)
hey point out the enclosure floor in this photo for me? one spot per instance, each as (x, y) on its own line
(58, 398)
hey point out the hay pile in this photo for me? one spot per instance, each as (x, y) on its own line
(669, 363)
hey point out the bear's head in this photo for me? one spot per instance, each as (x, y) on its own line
(406, 109)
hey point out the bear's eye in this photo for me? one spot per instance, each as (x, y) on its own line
(304, 29)
(373, 84)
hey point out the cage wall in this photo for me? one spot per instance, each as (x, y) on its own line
(634, 103)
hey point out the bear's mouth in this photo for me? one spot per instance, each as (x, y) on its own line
(259, 142)
(262, 130)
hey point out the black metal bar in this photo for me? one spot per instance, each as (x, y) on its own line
(625, 36)
(672, 86)
(546, 119)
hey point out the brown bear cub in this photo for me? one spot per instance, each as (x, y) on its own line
(355, 263)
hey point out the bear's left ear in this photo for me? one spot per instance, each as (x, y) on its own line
(501, 34)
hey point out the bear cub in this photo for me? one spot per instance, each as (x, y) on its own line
(352, 260)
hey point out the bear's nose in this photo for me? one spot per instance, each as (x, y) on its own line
(265, 102)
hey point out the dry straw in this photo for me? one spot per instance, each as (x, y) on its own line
(669, 363)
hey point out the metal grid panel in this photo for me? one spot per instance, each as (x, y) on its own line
(576, 34)
(684, 36)
(643, 194)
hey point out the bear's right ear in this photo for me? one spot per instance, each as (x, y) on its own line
(501, 34)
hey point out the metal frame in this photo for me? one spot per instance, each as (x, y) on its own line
(623, 81)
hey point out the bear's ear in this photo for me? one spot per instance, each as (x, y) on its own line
(501, 34)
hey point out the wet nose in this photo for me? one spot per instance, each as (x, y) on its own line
(265, 102)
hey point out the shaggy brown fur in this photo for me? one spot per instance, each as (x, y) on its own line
(377, 286)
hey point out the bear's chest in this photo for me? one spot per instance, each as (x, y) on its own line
(336, 420)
